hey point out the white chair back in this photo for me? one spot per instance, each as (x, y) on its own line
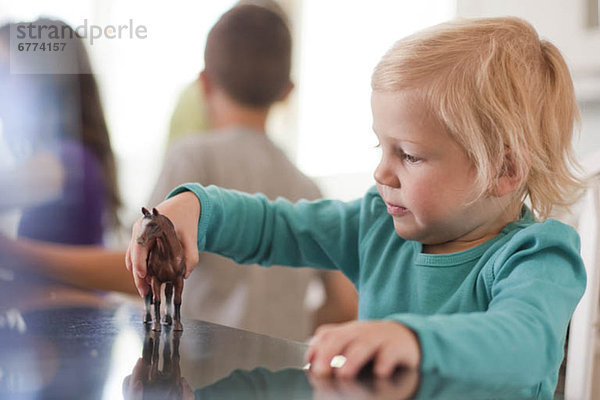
(583, 335)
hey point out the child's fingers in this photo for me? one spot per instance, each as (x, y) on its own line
(135, 261)
(386, 361)
(328, 343)
(138, 254)
(312, 348)
(128, 260)
(141, 285)
(357, 354)
(310, 353)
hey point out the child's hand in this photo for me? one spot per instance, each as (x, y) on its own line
(184, 212)
(388, 343)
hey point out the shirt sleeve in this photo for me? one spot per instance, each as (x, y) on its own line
(534, 286)
(250, 229)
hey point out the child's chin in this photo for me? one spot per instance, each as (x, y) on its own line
(405, 232)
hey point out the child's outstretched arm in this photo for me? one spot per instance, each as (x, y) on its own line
(250, 229)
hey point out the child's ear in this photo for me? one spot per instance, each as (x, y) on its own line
(205, 83)
(510, 178)
(504, 186)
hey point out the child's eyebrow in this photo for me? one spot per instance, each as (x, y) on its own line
(408, 141)
(400, 141)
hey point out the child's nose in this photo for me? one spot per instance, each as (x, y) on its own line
(384, 175)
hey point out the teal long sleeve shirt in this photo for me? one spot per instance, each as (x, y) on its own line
(497, 312)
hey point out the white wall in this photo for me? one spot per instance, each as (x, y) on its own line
(564, 22)
(340, 44)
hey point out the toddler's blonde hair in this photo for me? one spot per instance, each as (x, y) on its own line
(503, 94)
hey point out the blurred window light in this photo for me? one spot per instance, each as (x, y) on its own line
(139, 81)
(341, 43)
(6, 158)
(126, 350)
(67, 10)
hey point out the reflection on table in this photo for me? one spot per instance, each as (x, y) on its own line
(86, 352)
(106, 352)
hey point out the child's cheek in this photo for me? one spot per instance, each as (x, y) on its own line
(421, 201)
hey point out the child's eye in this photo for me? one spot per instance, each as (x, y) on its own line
(411, 159)
(405, 156)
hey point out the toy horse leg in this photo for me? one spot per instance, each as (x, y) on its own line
(155, 357)
(156, 295)
(176, 337)
(167, 364)
(177, 326)
(176, 357)
(167, 319)
(147, 302)
(148, 348)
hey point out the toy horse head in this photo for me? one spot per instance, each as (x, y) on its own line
(154, 225)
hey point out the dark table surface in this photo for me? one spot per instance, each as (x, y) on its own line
(59, 342)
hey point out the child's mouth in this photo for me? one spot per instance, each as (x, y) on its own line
(396, 211)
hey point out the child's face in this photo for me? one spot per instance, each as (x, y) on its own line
(426, 179)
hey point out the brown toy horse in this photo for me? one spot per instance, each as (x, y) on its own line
(165, 264)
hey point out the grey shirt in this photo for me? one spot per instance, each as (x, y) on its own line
(264, 300)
